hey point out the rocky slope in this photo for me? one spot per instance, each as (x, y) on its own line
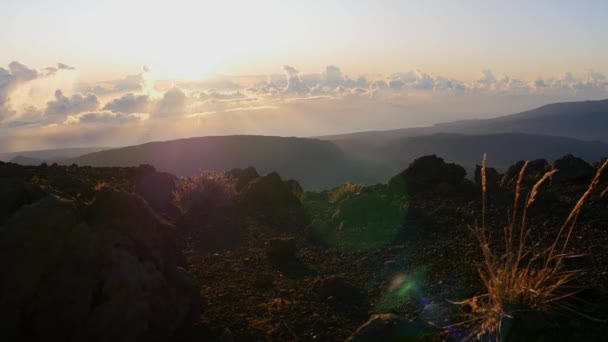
(95, 253)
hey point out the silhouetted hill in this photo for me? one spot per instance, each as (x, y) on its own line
(51, 155)
(503, 149)
(585, 120)
(29, 161)
(314, 163)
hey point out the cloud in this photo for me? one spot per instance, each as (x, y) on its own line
(396, 84)
(105, 117)
(294, 83)
(486, 78)
(129, 103)
(222, 96)
(216, 82)
(50, 71)
(201, 114)
(174, 102)
(63, 106)
(10, 80)
(249, 109)
(130, 83)
(333, 76)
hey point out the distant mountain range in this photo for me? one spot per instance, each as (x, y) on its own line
(315, 163)
(52, 155)
(584, 120)
(551, 131)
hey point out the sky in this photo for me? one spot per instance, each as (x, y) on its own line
(110, 73)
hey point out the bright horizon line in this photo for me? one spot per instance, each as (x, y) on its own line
(108, 147)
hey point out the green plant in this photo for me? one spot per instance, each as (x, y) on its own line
(519, 275)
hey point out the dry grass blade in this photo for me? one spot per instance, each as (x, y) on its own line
(522, 276)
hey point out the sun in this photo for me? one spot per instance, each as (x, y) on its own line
(185, 66)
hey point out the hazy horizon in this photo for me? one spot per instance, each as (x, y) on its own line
(274, 68)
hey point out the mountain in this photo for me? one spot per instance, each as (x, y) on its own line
(26, 161)
(551, 131)
(502, 149)
(319, 164)
(584, 120)
(315, 163)
(52, 155)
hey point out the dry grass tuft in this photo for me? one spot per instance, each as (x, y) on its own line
(343, 191)
(521, 277)
(207, 191)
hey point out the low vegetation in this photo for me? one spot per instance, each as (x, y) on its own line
(518, 274)
(206, 191)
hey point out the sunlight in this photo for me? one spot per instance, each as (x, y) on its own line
(190, 64)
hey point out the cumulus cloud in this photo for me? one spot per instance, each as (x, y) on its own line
(63, 106)
(214, 95)
(10, 79)
(105, 117)
(249, 109)
(130, 83)
(333, 76)
(174, 102)
(50, 71)
(294, 83)
(128, 104)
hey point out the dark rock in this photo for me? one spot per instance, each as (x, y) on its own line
(263, 281)
(444, 189)
(339, 288)
(97, 272)
(281, 249)
(295, 188)
(571, 169)
(390, 327)
(157, 189)
(10, 170)
(269, 200)
(226, 336)
(468, 189)
(534, 171)
(143, 170)
(242, 177)
(425, 173)
(493, 177)
(212, 230)
(15, 193)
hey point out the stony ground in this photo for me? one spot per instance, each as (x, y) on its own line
(432, 260)
(359, 252)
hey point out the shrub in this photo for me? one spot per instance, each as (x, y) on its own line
(518, 276)
(207, 191)
(343, 191)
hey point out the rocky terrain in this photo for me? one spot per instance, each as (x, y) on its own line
(133, 254)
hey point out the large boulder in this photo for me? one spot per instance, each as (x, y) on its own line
(339, 288)
(269, 200)
(14, 193)
(571, 169)
(425, 173)
(157, 189)
(295, 188)
(104, 271)
(281, 249)
(534, 171)
(242, 177)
